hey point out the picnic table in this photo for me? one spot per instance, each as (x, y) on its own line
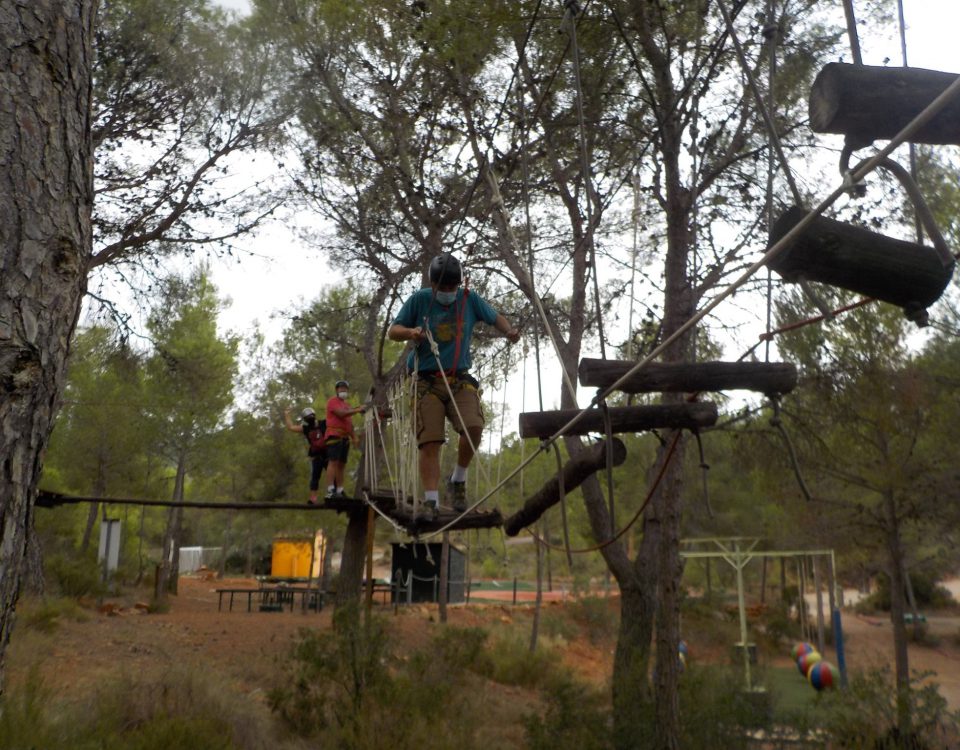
(274, 598)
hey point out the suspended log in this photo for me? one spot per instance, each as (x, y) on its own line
(688, 416)
(575, 472)
(763, 377)
(902, 273)
(866, 103)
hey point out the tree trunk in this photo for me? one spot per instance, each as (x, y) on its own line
(46, 194)
(171, 535)
(351, 561)
(33, 582)
(897, 610)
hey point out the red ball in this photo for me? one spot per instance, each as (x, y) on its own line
(799, 649)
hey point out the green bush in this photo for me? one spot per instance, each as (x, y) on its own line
(350, 692)
(865, 714)
(45, 615)
(177, 709)
(596, 616)
(74, 576)
(576, 718)
(555, 624)
(512, 662)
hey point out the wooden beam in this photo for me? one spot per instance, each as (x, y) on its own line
(575, 472)
(902, 273)
(543, 424)
(694, 377)
(867, 102)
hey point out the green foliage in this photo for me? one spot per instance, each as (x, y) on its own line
(596, 616)
(865, 714)
(178, 708)
(350, 691)
(576, 718)
(716, 710)
(926, 590)
(512, 662)
(46, 614)
(74, 576)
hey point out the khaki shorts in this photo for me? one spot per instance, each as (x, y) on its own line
(434, 406)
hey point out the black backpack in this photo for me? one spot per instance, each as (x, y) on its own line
(315, 438)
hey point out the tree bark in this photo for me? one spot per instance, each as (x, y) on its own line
(690, 377)
(683, 415)
(352, 559)
(869, 102)
(46, 195)
(898, 609)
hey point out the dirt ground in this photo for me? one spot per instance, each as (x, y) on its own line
(250, 649)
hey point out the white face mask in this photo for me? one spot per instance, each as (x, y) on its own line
(343, 394)
(446, 298)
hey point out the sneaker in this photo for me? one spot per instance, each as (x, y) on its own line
(430, 509)
(341, 493)
(312, 500)
(458, 495)
(331, 495)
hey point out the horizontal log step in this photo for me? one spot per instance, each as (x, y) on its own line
(543, 424)
(693, 377)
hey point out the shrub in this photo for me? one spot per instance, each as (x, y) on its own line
(576, 717)
(865, 714)
(74, 576)
(595, 615)
(45, 615)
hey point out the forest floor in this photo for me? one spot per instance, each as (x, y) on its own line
(249, 652)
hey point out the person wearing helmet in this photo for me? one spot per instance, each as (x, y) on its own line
(314, 432)
(449, 313)
(339, 436)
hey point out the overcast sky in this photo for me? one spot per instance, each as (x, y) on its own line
(283, 274)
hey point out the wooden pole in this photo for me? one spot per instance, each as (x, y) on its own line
(543, 424)
(821, 643)
(444, 576)
(371, 527)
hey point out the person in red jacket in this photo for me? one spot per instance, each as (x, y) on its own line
(339, 435)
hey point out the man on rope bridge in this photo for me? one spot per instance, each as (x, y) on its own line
(315, 434)
(445, 313)
(338, 437)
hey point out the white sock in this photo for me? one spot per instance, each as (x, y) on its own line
(459, 474)
(431, 497)
(331, 488)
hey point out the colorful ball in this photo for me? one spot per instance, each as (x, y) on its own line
(806, 661)
(822, 675)
(800, 648)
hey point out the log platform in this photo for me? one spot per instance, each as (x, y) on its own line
(867, 103)
(902, 273)
(543, 424)
(770, 378)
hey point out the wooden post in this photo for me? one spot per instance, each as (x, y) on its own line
(371, 527)
(763, 377)
(763, 580)
(868, 103)
(575, 472)
(816, 582)
(543, 424)
(444, 575)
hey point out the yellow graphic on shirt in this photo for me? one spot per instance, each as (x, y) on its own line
(445, 331)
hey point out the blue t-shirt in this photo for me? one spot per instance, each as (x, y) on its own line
(422, 309)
